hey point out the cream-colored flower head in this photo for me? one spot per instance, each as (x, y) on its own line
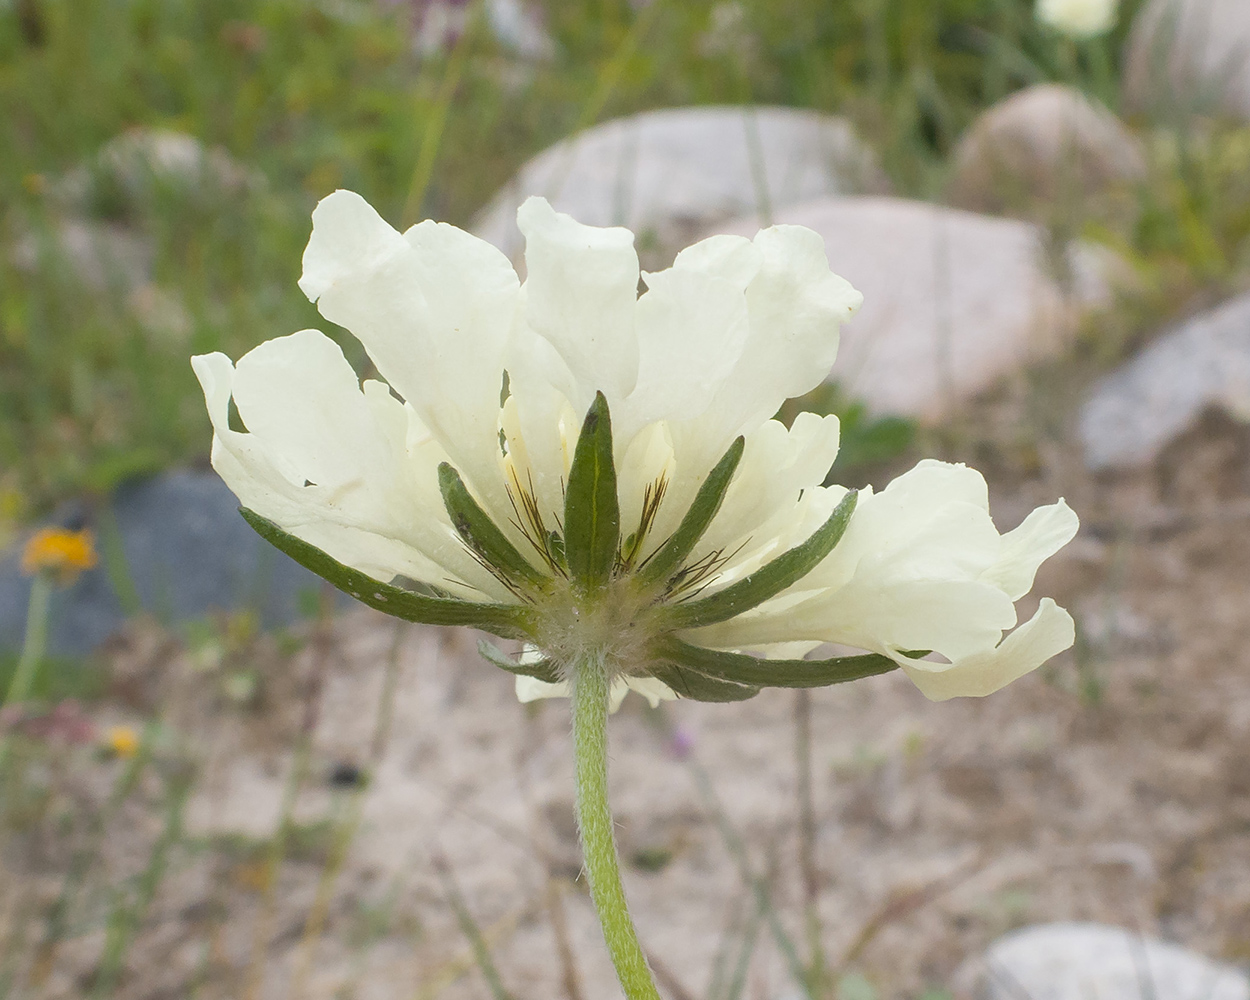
(524, 426)
(1078, 18)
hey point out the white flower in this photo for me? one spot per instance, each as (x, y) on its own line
(457, 478)
(921, 567)
(1078, 18)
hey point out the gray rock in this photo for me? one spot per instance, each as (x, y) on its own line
(1134, 412)
(188, 553)
(102, 255)
(1043, 150)
(108, 257)
(95, 232)
(952, 301)
(513, 24)
(1072, 961)
(669, 174)
(132, 168)
(1190, 56)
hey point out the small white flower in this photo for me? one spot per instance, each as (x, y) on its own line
(470, 477)
(1078, 18)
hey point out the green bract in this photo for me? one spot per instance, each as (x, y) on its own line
(599, 579)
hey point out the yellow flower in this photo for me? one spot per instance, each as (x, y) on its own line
(122, 741)
(64, 553)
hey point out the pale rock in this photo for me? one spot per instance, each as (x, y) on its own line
(513, 24)
(1043, 150)
(952, 301)
(669, 174)
(1190, 56)
(130, 169)
(95, 229)
(102, 255)
(1080, 961)
(109, 257)
(1135, 411)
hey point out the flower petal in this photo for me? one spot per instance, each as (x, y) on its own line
(434, 308)
(655, 691)
(581, 287)
(1039, 536)
(913, 571)
(761, 505)
(691, 331)
(796, 305)
(351, 472)
(532, 689)
(1050, 631)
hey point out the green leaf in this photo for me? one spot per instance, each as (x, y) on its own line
(740, 668)
(698, 686)
(543, 669)
(771, 578)
(592, 513)
(669, 557)
(480, 533)
(500, 619)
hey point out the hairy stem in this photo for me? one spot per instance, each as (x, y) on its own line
(594, 819)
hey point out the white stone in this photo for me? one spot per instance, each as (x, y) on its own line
(1076, 961)
(952, 301)
(669, 174)
(101, 255)
(513, 24)
(1190, 55)
(131, 164)
(1134, 412)
(1043, 148)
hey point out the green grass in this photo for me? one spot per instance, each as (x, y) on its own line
(306, 97)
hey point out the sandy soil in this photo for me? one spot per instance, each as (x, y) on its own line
(1112, 785)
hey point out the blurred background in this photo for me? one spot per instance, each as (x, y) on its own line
(219, 780)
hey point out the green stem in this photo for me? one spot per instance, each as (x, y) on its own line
(33, 646)
(594, 818)
(35, 642)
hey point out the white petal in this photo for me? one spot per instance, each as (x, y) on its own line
(653, 690)
(1043, 533)
(581, 287)
(796, 305)
(532, 689)
(932, 521)
(1047, 633)
(353, 238)
(300, 397)
(361, 486)
(932, 482)
(647, 462)
(732, 258)
(951, 617)
(691, 331)
(434, 308)
(777, 466)
(914, 570)
(540, 430)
